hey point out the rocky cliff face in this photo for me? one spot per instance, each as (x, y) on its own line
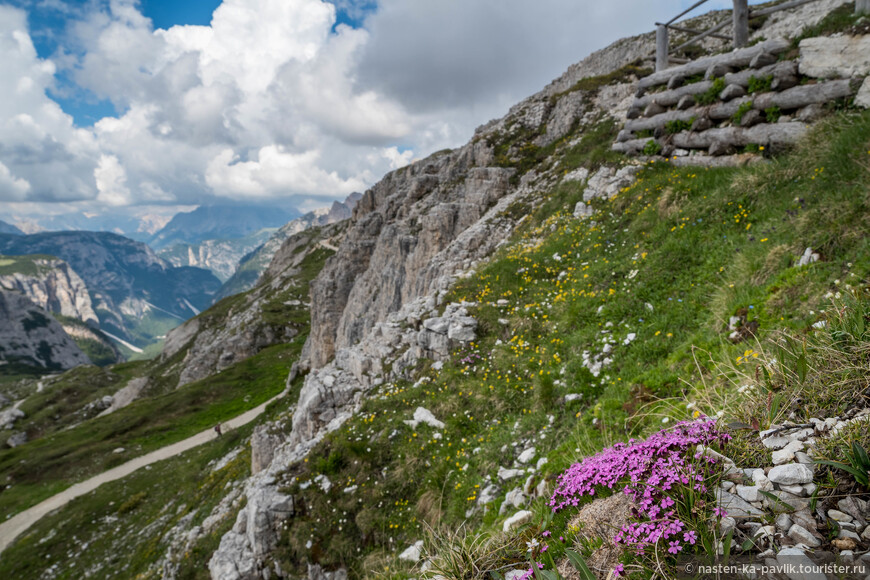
(242, 325)
(252, 265)
(29, 336)
(52, 285)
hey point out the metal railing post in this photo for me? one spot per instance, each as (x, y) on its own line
(661, 47)
(741, 23)
(862, 6)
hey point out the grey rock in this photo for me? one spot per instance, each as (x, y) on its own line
(750, 493)
(653, 109)
(412, 553)
(790, 474)
(761, 481)
(718, 70)
(752, 118)
(732, 92)
(853, 506)
(609, 181)
(581, 210)
(701, 124)
(835, 56)
(424, 416)
(55, 287)
(9, 416)
(411, 230)
(808, 258)
(488, 495)
(686, 102)
(848, 534)
(516, 520)
(736, 506)
(839, 516)
(784, 522)
(213, 344)
(797, 565)
(527, 455)
(263, 447)
(315, 572)
(786, 502)
(763, 59)
(801, 535)
(811, 113)
(774, 442)
(255, 534)
(506, 474)
(804, 459)
(514, 499)
(862, 99)
(797, 490)
(17, 439)
(529, 486)
(721, 147)
(31, 336)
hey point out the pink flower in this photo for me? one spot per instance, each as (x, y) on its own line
(618, 570)
(648, 472)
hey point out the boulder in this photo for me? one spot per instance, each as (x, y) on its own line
(422, 415)
(835, 56)
(412, 553)
(517, 520)
(802, 536)
(790, 474)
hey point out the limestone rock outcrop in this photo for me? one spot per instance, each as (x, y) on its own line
(53, 286)
(29, 335)
(220, 338)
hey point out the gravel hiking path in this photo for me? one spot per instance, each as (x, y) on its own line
(16, 525)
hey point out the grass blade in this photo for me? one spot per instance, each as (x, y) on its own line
(580, 565)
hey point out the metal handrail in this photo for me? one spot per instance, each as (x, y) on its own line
(740, 17)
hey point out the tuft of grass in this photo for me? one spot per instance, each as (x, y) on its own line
(741, 110)
(711, 95)
(760, 84)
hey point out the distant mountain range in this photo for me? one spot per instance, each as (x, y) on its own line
(222, 257)
(136, 296)
(6, 228)
(219, 222)
(254, 264)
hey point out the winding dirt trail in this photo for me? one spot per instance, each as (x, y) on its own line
(18, 524)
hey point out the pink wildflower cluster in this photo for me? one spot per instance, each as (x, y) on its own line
(651, 471)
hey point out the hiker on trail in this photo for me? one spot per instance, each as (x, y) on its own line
(217, 429)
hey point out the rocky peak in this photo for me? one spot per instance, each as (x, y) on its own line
(51, 284)
(30, 336)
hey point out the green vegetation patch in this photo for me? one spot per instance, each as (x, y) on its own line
(120, 530)
(652, 282)
(42, 467)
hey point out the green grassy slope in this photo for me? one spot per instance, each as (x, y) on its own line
(69, 443)
(657, 273)
(119, 530)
